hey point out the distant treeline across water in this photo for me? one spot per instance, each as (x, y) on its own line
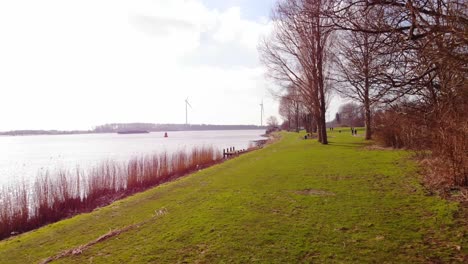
(116, 127)
(110, 128)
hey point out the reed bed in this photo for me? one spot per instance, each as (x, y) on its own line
(55, 196)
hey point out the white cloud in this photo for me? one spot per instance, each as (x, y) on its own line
(70, 65)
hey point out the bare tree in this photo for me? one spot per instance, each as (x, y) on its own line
(360, 60)
(272, 122)
(297, 53)
(292, 107)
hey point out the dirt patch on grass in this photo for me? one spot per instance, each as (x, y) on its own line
(78, 250)
(112, 233)
(314, 192)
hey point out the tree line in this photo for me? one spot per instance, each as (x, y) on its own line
(404, 62)
(116, 127)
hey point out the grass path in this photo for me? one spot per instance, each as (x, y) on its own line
(291, 202)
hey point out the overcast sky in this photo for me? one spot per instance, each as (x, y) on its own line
(77, 64)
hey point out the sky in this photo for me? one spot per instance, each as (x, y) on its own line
(78, 64)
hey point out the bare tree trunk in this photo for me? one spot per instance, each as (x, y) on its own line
(311, 124)
(368, 117)
(367, 110)
(319, 130)
(297, 118)
(367, 104)
(321, 92)
(323, 126)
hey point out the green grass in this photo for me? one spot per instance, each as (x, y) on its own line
(360, 206)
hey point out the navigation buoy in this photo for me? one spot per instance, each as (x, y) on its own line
(165, 135)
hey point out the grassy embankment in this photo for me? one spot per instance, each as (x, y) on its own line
(293, 201)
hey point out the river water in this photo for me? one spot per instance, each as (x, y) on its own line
(22, 158)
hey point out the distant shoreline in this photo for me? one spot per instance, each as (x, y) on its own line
(115, 128)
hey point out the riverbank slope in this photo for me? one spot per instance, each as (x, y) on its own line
(293, 201)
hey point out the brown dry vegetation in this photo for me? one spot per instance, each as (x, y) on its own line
(441, 143)
(53, 197)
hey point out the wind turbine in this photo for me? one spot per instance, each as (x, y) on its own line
(187, 104)
(261, 113)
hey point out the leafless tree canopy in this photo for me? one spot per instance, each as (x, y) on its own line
(272, 122)
(361, 59)
(297, 53)
(405, 59)
(426, 103)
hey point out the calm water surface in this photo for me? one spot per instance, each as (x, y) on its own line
(24, 157)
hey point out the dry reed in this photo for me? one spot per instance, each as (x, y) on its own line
(56, 196)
